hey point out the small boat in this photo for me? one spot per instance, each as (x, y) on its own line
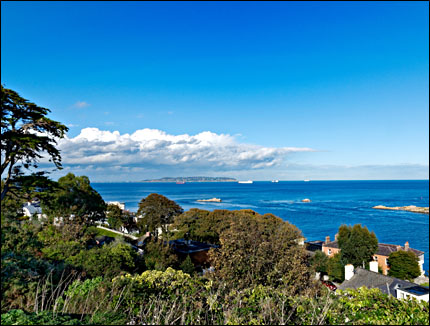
(306, 180)
(180, 182)
(275, 181)
(248, 181)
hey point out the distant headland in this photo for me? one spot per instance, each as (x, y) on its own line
(192, 179)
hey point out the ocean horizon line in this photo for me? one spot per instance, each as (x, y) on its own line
(268, 180)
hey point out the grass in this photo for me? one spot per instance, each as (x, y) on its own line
(108, 233)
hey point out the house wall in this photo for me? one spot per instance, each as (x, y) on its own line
(382, 263)
(330, 251)
(406, 295)
(421, 263)
(380, 258)
(200, 258)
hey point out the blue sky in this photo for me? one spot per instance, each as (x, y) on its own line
(255, 90)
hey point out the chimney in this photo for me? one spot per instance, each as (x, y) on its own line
(399, 248)
(349, 272)
(406, 246)
(335, 236)
(373, 265)
(327, 239)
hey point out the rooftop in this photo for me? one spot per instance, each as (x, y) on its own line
(314, 245)
(189, 246)
(387, 284)
(417, 290)
(384, 249)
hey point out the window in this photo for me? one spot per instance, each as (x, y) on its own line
(375, 258)
(329, 252)
(386, 261)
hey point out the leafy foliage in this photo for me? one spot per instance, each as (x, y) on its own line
(261, 249)
(403, 265)
(320, 262)
(20, 317)
(75, 197)
(187, 266)
(204, 226)
(114, 216)
(335, 268)
(20, 237)
(59, 243)
(157, 211)
(26, 133)
(108, 261)
(371, 307)
(118, 218)
(21, 277)
(57, 275)
(357, 244)
(159, 256)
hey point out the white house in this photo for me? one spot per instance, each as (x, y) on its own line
(117, 203)
(32, 208)
(400, 289)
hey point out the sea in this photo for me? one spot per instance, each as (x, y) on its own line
(332, 203)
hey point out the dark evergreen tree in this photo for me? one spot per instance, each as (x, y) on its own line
(26, 134)
(404, 265)
(187, 266)
(357, 245)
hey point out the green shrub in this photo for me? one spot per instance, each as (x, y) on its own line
(108, 261)
(370, 306)
(23, 277)
(20, 317)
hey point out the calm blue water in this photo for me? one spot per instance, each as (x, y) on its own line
(332, 203)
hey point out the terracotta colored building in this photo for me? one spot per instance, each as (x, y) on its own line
(330, 248)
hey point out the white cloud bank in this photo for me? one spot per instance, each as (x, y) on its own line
(151, 148)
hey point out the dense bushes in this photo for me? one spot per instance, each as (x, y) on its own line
(109, 260)
(24, 277)
(261, 249)
(370, 306)
(58, 275)
(159, 256)
(173, 297)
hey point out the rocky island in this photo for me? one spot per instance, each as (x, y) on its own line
(215, 200)
(192, 179)
(411, 208)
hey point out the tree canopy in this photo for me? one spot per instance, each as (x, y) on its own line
(75, 197)
(26, 135)
(202, 225)
(156, 211)
(114, 216)
(404, 265)
(261, 249)
(357, 244)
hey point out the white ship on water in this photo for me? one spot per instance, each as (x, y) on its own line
(275, 181)
(248, 181)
